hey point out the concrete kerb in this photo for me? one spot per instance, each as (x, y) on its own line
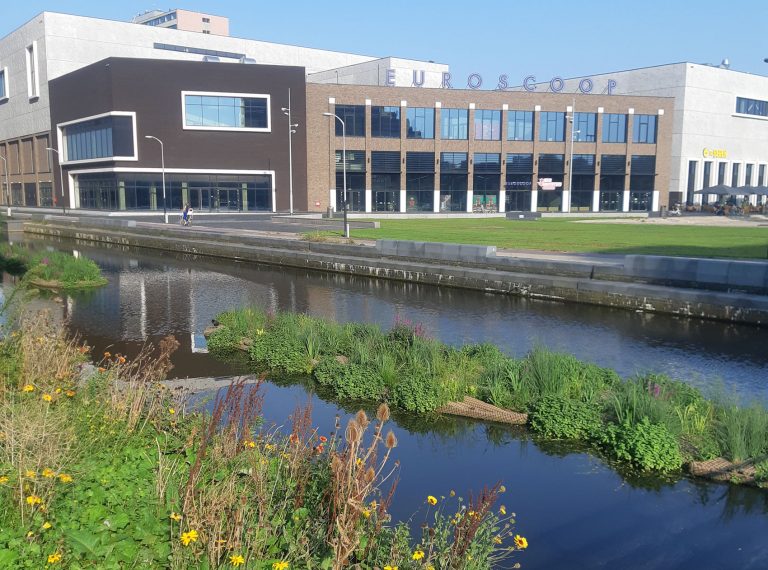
(334, 223)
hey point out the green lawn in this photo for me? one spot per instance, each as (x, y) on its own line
(569, 235)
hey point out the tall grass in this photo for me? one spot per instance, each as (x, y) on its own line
(742, 432)
(64, 269)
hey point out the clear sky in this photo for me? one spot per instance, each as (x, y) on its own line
(545, 38)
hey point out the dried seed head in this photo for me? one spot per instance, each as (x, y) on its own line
(335, 463)
(391, 440)
(362, 419)
(369, 475)
(353, 432)
(383, 412)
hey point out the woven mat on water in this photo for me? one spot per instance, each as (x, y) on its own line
(720, 469)
(473, 408)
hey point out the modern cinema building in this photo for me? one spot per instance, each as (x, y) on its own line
(125, 105)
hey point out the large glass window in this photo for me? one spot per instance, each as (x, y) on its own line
(519, 182)
(721, 173)
(735, 174)
(355, 181)
(613, 169)
(748, 174)
(454, 181)
(614, 128)
(385, 180)
(486, 181)
(583, 170)
(3, 83)
(761, 175)
(105, 137)
(420, 123)
(551, 166)
(691, 181)
(552, 126)
(454, 124)
(520, 126)
(584, 127)
(641, 182)
(354, 120)
(752, 107)
(487, 125)
(33, 87)
(644, 129)
(419, 181)
(46, 194)
(225, 112)
(385, 122)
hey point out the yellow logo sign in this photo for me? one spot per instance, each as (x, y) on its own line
(715, 153)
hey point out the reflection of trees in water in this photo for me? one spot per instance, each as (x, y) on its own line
(742, 501)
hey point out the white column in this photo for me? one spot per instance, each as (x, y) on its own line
(566, 204)
(502, 201)
(402, 201)
(534, 200)
(368, 193)
(596, 201)
(655, 201)
(625, 201)
(332, 198)
(470, 197)
(436, 201)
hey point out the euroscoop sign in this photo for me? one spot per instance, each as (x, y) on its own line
(475, 81)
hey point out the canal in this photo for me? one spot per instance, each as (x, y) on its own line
(575, 510)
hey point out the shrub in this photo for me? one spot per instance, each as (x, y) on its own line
(561, 418)
(223, 341)
(645, 445)
(761, 471)
(351, 380)
(418, 393)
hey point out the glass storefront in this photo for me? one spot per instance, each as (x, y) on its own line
(144, 191)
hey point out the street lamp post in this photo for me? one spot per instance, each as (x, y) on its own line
(291, 130)
(61, 178)
(7, 186)
(162, 164)
(344, 169)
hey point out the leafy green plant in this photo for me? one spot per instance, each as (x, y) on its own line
(646, 445)
(63, 270)
(561, 418)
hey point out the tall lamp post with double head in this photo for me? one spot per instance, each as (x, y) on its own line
(291, 131)
(7, 186)
(162, 165)
(344, 168)
(61, 178)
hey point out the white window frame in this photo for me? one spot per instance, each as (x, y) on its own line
(7, 95)
(33, 87)
(186, 127)
(62, 141)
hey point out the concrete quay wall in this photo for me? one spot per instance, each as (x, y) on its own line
(731, 291)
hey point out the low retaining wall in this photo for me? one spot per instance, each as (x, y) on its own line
(470, 267)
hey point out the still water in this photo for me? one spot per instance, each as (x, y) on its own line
(576, 511)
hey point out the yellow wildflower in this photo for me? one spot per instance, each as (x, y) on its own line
(30, 534)
(430, 567)
(269, 447)
(431, 500)
(359, 462)
(259, 332)
(502, 510)
(282, 565)
(497, 540)
(64, 478)
(452, 493)
(28, 388)
(47, 525)
(3, 480)
(70, 393)
(418, 554)
(390, 567)
(171, 411)
(188, 537)
(47, 398)
(249, 443)
(175, 517)
(502, 489)
(34, 500)
(367, 513)
(521, 542)
(57, 390)
(29, 474)
(237, 560)
(54, 558)
(48, 473)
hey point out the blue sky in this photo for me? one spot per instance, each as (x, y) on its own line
(545, 38)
